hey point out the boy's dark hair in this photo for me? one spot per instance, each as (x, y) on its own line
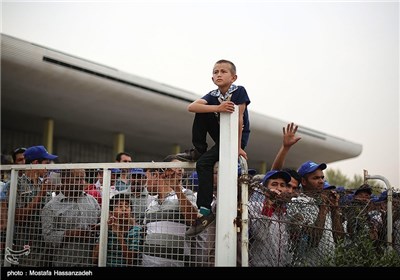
(119, 156)
(17, 151)
(233, 67)
(117, 198)
(170, 158)
(293, 173)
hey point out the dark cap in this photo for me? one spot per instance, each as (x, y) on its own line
(277, 174)
(364, 188)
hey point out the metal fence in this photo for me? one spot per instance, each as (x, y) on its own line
(102, 215)
(136, 214)
(286, 232)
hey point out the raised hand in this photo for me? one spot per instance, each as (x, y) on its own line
(289, 135)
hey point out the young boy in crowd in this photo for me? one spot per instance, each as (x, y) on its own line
(206, 120)
(124, 235)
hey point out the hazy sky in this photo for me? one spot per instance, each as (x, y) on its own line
(329, 66)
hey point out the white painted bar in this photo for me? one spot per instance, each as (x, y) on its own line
(226, 234)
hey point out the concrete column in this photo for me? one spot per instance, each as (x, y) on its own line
(48, 135)
(176, 149)
(119, 143)
(263, 167)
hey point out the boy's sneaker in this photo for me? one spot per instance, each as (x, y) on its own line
(189, 155)
(200, 224)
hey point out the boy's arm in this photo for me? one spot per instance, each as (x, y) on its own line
(289, 139)
(201, 106)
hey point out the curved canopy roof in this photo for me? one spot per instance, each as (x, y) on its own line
(92, 102)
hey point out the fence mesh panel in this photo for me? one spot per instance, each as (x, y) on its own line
(283, 230)
(57, 222)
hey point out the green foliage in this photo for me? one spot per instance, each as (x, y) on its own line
(362, 252)
(337, 178)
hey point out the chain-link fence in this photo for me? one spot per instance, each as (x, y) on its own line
(298, 229)
(137, 214)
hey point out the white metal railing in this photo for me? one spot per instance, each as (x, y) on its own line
(389, 217)
(226, 230)
(226, 220)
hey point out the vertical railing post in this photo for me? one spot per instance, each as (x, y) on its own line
(226, 228)
(105, 203)
(12, 203)
(244, 194)
(389, 213)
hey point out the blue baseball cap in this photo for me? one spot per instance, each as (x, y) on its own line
(340, 189)
(327, 186)
(194, 178)
(115, 170)
(278, 174)
(374, 198)
(347, 198)
(309, 167)
(250, 171)
(193, 181)
(38, 152)
(138, 171)
(383, 196)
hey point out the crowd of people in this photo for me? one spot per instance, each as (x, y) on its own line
(58, 212)
(296, 217)
(166, 216)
